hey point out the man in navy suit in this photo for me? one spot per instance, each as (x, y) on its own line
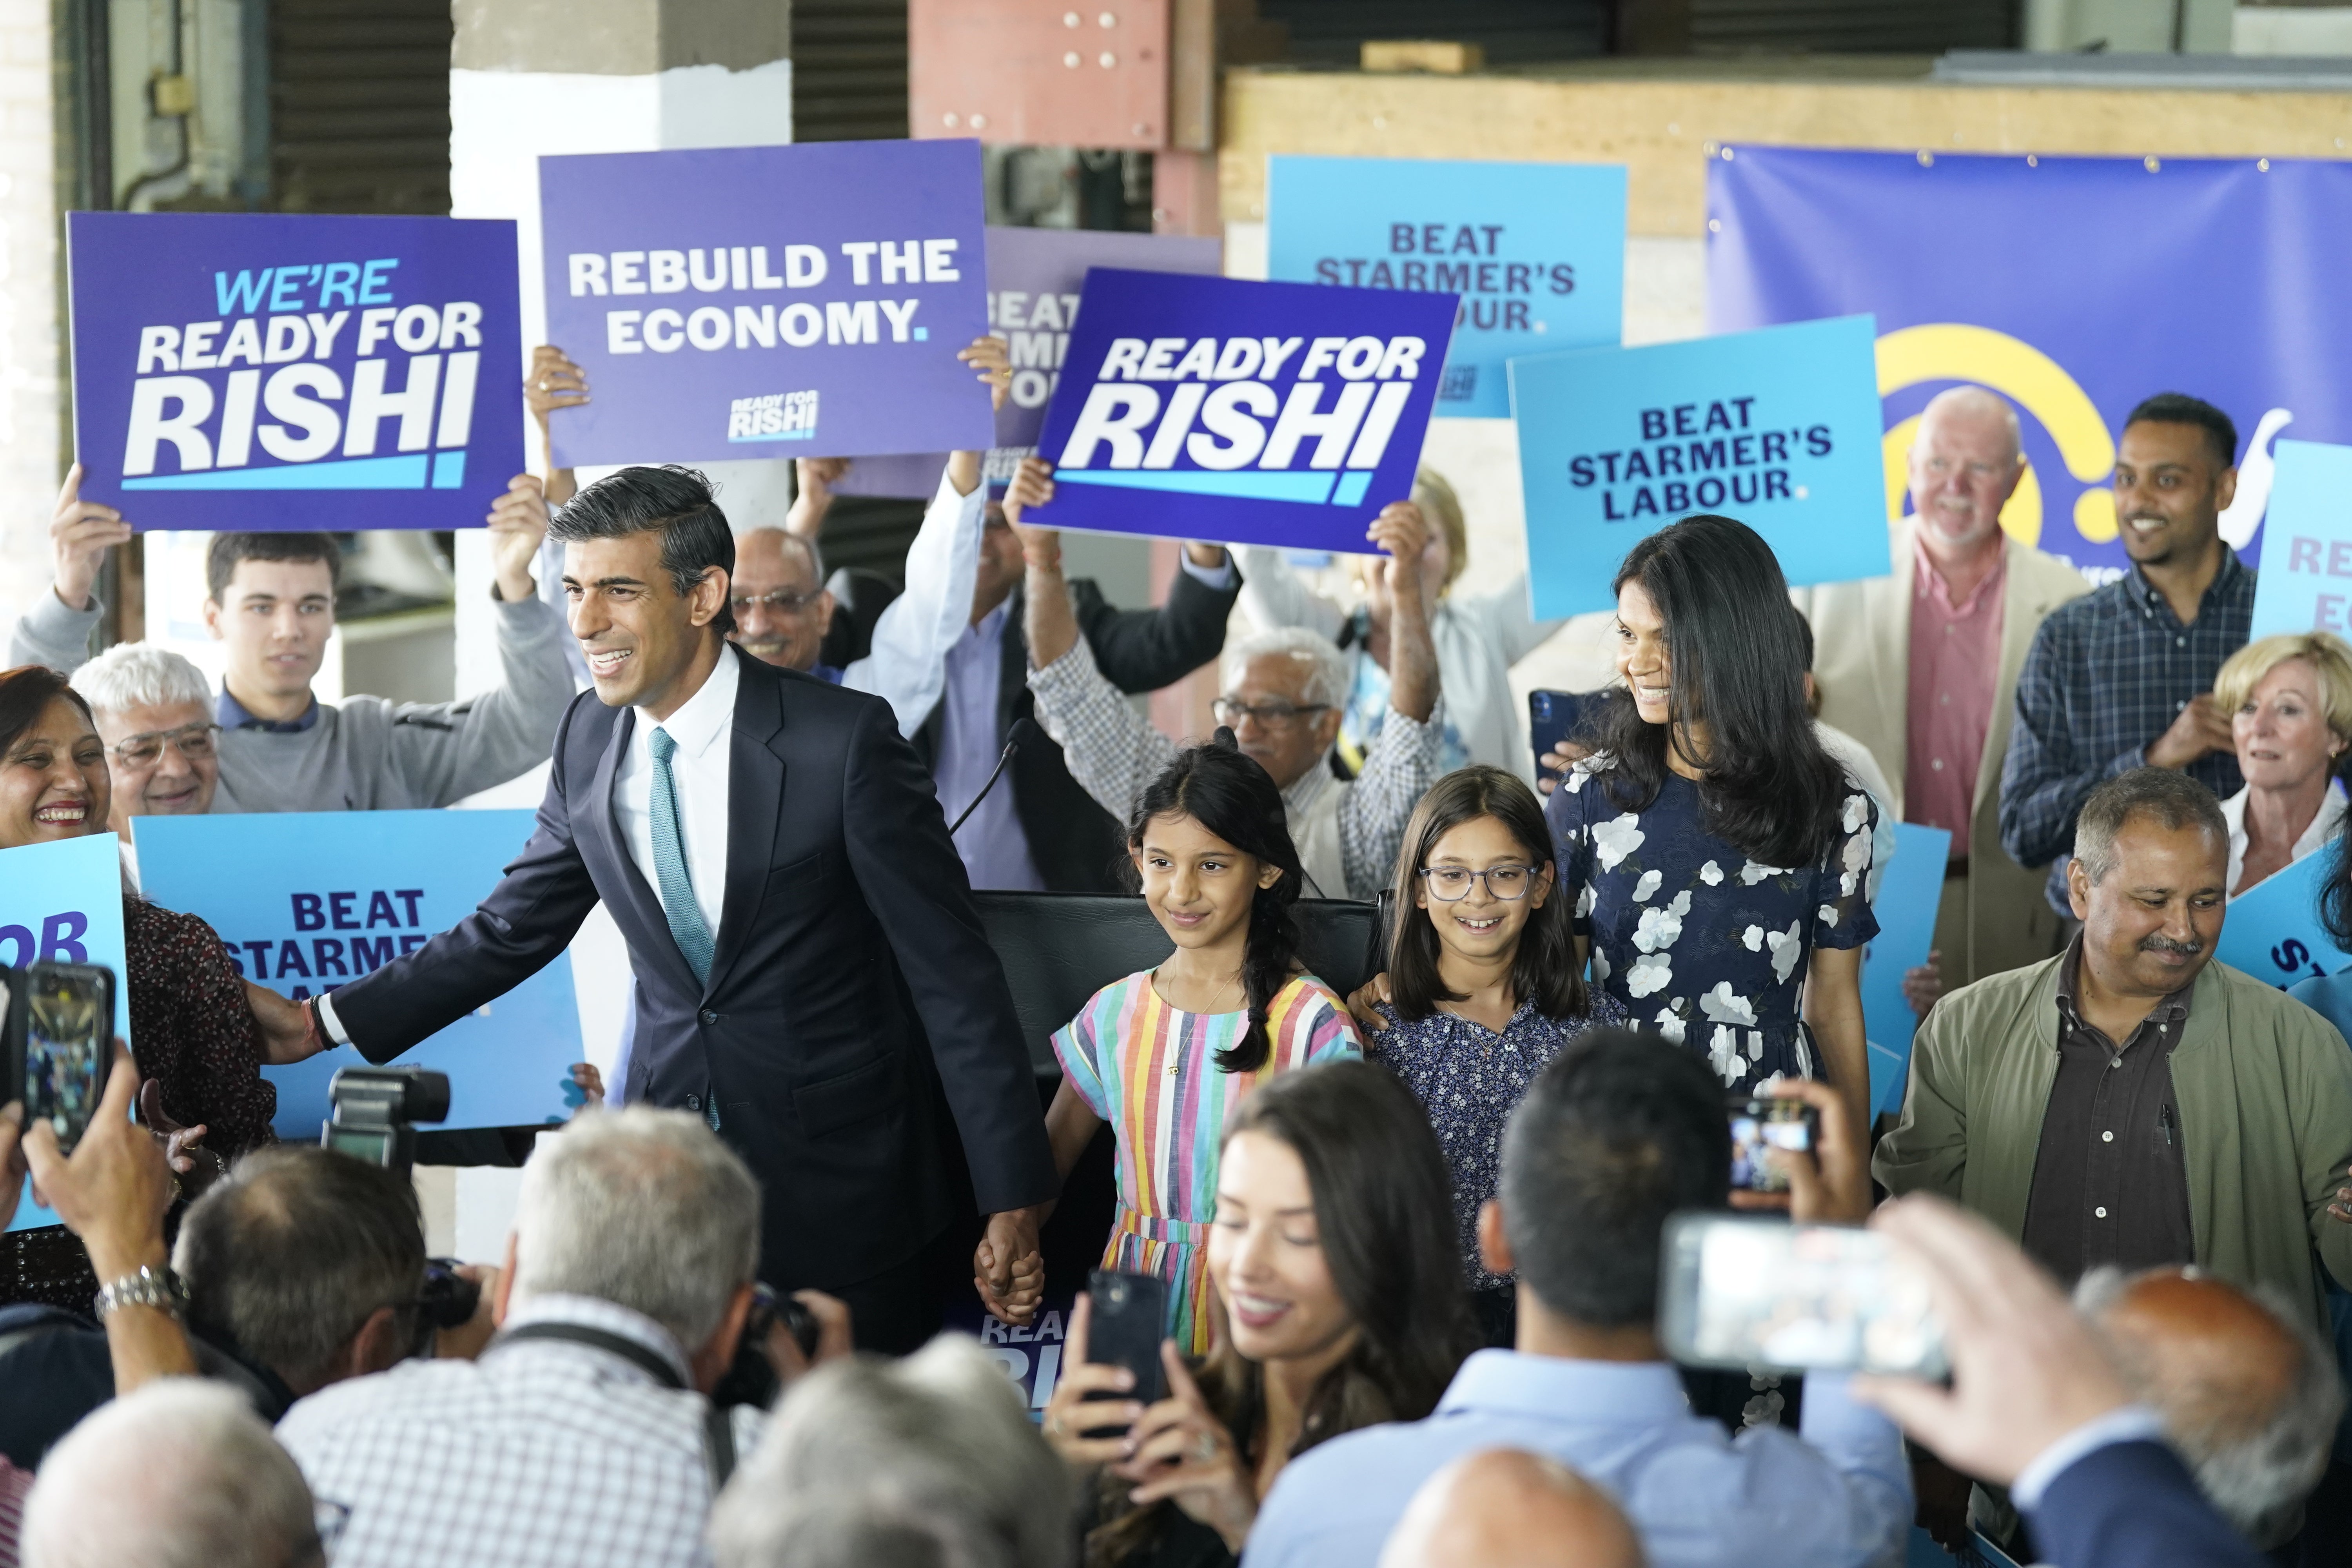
(2036, 1406)
(811, 976)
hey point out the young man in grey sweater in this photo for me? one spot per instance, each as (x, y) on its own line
(271, 602)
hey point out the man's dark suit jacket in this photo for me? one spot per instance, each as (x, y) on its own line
(1077, 845)
(2134, 1505)
(852, 990)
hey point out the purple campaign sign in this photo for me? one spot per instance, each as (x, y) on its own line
(1283, 413)
(767, 302)
(273, 371)
(1035, 279)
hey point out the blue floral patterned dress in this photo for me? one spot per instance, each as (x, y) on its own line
(1699, 942)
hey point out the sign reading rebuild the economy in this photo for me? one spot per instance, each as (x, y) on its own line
(306, 901)
(1537, 252)
(1257, 413)
(767, 302)
(231, 370)
(1778, 428)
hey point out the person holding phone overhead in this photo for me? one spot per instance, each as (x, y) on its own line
(1719, 855)
(199, 1047)
(1333, 1260)
(1169, 1054)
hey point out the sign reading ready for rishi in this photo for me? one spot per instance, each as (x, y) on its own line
(306, 901)
(1778, 428)
(767, 302)
(1536, 250)
(1255, 413)
(267, 371)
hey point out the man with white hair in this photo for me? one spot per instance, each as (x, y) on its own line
(154, 712)
(930, 1459)
(584, 1435)
(181, 1474)
(1283, 691)
(1508, 1508)
(1922, 667)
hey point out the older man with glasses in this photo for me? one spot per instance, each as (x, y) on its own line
(154, 711)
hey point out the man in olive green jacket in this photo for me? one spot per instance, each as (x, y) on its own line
(2218, 1130)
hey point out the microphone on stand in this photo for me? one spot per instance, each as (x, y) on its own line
(1022, 730)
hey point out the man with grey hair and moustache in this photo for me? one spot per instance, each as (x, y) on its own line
(584, 1434)
(1921, 665)
(2132, 1102)
(154, 713)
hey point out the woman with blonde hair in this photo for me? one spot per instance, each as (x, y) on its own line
(1478, 638)
(2289, 698)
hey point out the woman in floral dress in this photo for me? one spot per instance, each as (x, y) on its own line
(1718, 855)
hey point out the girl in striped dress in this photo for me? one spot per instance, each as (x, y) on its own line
(1168, 1056)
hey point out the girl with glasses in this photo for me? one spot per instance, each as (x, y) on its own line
(1168, 1056)
(1484, 986)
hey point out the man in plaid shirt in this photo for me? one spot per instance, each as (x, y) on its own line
(2124, 676)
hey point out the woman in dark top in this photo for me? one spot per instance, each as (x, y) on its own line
(1340, 1305)
(1716, 854)
(1484, 988)
(196, 1041)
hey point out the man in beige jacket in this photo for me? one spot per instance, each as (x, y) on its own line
(1921, 667)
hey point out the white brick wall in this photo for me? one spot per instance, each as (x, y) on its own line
(31, 338)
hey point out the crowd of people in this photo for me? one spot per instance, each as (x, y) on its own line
(1411, 1240)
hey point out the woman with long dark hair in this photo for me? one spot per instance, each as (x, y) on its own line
(1168, 1056)
(1333, 1258)
(1485, 987)
(1716, 854)
(198, 1046)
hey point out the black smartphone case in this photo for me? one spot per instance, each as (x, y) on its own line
(1126, 1333)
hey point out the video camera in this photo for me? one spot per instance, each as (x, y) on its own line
(374, 1110)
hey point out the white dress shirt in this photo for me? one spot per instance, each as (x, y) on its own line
(700, 726)
(2314, 837)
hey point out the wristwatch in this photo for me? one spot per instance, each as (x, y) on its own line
(157, 1288)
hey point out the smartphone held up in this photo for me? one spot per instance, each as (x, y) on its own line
(61, 1042)
(1759, 1293)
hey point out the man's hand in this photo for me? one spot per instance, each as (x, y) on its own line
(554, 382)
(80, 533)
(1031, 485)
(1009, 1267)
(2025, 1370)
(114, 1189)
(196, 1166)
(1404, 533)
(812, 482)
(834, 1337)
(1923, 987)
(467, 1340)
(1831, 1184)
(1207, 557)
(517, 523)
(2196, 730)
(1359, 1005)
(990, 356)
(12, 1159)
(287, 1033)
(588, 1085)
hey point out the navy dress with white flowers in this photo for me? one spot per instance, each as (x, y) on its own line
(1699, 942)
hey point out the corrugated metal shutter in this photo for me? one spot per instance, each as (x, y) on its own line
(849, 69)
(359, 105)
(1512, 32)
(1852, 27)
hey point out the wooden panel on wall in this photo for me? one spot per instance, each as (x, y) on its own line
(1659, 117)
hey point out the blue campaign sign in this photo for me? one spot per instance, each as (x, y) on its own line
(259, 371)
(2305, 581)
(306, 901)
(767, 302)
(1778, 428)
(1279, 414)
(2272, 931)
(1905, 907)
(63, 902)
(1537, 252)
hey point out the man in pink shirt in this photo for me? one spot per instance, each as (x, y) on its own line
(1921, 667)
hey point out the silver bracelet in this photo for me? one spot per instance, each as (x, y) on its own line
(157, 1288)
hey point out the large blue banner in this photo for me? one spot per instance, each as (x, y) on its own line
(62, 903)
(1279, 413)
(767, 302)
(306, 901)
(274, 371)
(1778, 428)
(2073, 287)
(2306, 584)
(1536, 250)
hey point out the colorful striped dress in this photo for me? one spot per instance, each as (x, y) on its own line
(1150, 1070)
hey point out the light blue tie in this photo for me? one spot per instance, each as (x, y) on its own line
(671, 878)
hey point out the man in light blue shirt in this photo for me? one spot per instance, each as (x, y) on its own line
(1615, 1136)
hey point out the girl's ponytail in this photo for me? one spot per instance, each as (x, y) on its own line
(1233, 798)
